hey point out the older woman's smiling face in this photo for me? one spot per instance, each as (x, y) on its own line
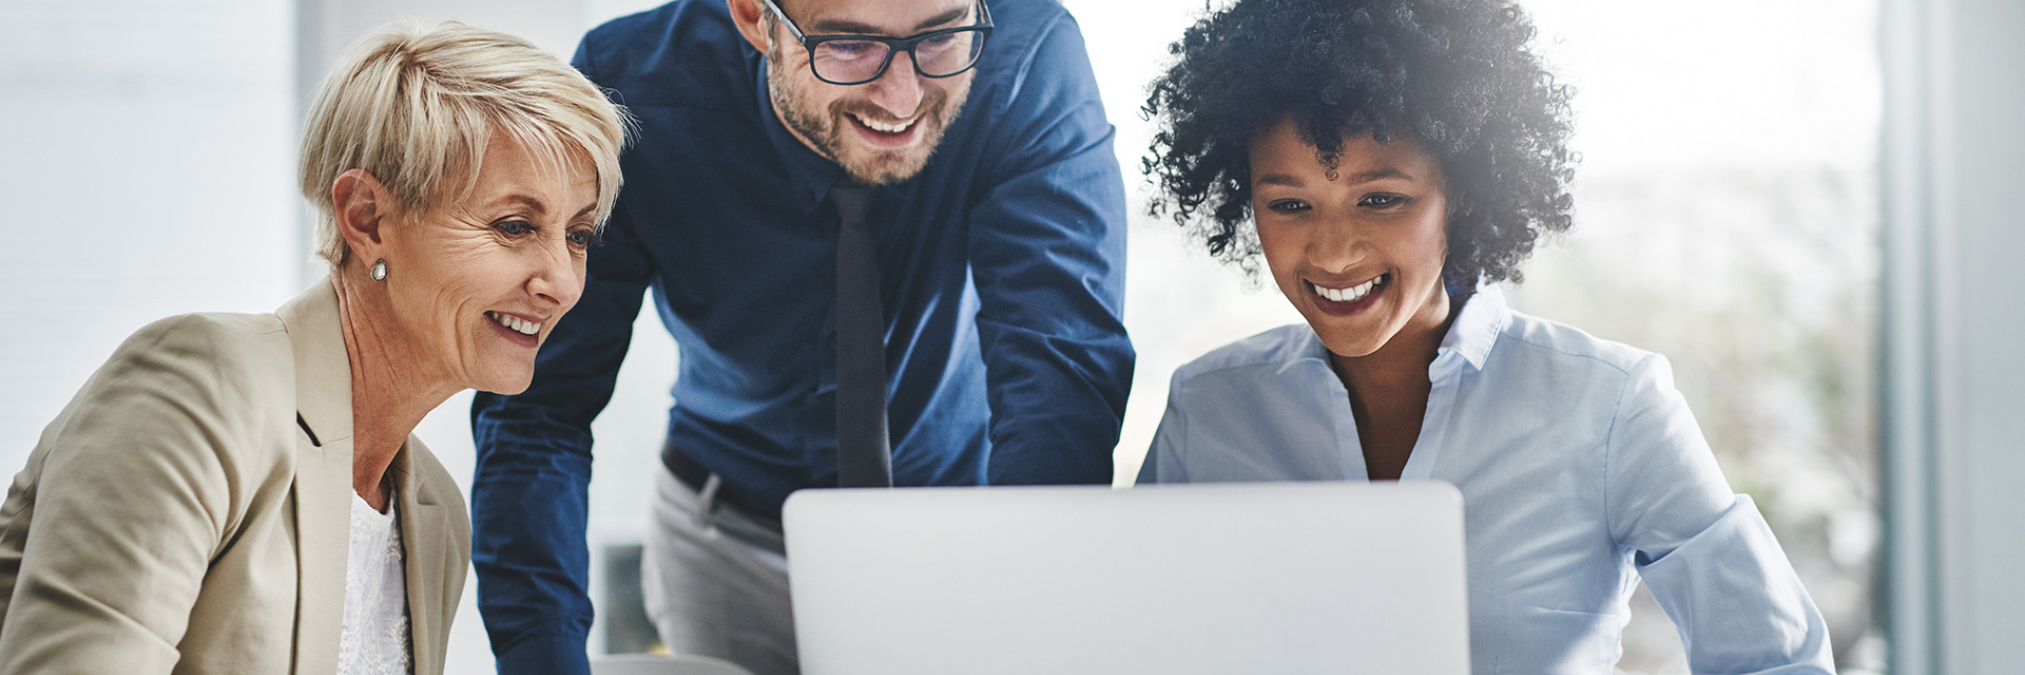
(478, 283)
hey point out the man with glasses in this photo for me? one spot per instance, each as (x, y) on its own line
(889, 238)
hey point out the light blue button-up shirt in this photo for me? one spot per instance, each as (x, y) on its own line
(1579, 464)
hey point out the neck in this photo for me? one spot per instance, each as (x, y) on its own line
(1400, 365)
(392, 388)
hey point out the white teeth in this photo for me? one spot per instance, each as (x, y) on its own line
(515, 323)
(883, 127)
(1351, 294)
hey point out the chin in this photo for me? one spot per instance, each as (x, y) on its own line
(1345, 342)
(507, 384)
(886, 169)
(1350, 349)
(874, 165)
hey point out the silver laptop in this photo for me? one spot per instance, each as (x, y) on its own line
(1283, 578)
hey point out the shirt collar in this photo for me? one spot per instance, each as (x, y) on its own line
(811, 175)
(1476, 328)
(1311, 350)
(1470, 338)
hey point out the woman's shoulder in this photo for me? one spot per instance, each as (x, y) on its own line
(222, 371)
(1541, 339)
(224, 350)
(1268, 350)
(224, 329)
(1636, 385)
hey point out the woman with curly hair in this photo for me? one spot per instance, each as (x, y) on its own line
(1391, 160)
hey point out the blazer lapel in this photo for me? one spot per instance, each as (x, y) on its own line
(323, 475)
(323, 493)
(424, 537)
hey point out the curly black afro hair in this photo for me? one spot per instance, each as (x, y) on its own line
(1455, 75)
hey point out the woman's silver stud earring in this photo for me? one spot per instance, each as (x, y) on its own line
(379, 272)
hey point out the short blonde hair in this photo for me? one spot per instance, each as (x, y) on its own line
(416, 107)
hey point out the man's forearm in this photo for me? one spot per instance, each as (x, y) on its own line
(529, 517)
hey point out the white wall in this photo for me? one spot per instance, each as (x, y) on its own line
(146, 169)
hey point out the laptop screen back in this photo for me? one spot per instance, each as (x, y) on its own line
(1285, 578)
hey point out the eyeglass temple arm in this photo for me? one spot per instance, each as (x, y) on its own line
(778, 12)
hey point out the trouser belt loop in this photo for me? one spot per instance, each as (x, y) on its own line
(708, 495)
(711, 491)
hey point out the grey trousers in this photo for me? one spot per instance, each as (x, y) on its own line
(715, 579)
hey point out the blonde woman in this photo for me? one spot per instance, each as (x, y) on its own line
(241, 493)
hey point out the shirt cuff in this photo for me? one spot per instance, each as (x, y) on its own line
(552, 654)
(1737, 602)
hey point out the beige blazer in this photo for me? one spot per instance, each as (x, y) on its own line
(190, 510)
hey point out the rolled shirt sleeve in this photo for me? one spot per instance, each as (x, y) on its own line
(1047, 250)
(1707, 554)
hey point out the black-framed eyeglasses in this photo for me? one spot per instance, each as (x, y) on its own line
(858, 59)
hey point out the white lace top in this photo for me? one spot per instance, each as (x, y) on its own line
(375, 637)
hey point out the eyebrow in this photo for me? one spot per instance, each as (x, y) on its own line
(1279, 179)
(531, 203)
(848, 27)
(1285, 180)
(1379, 173)
(539, 208)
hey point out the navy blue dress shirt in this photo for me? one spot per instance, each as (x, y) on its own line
(1003, 279)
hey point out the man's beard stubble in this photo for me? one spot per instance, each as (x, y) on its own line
(868, 166)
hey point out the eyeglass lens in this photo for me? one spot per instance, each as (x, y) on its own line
(860, 60)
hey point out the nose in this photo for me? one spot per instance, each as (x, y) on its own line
(899, 91)
(558, 277)
(1336, 245)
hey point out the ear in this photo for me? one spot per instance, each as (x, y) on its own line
(364, 208)
(748, 14)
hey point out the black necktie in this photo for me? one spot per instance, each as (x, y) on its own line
(864, 455)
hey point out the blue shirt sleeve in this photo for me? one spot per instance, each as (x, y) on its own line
(529, 500)
(1047, 251)
(1706, 553)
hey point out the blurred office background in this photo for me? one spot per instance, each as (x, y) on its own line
(1797, 201)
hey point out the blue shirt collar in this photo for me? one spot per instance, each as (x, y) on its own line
(1476, 328)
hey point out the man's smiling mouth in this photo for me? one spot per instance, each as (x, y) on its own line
(886, 127)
